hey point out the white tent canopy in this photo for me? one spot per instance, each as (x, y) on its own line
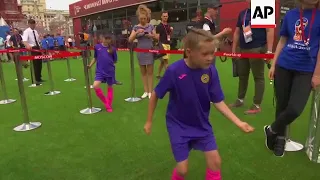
(3, 22)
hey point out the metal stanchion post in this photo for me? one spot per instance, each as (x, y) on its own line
(27, 125)
(70, 79)
(133, 85)
(90, 74)
(91, 77)
(292, 146)
(313, 139)
(90, 109)
(5, 100)
(52, 92)
(24, 79)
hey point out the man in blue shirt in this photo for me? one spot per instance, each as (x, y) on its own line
(296, 69)
(251, 40)
(50, 40)
(61, 42)
(44, 42)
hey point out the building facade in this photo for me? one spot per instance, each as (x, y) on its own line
(11, 11)
(46, 18)
(116, 17)
(34, 9)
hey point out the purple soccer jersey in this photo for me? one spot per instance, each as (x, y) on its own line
(105, 70)
(191, 91)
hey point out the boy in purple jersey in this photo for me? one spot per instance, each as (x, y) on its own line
(193, 84)
(105, 55)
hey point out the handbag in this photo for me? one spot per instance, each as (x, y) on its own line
(225, 45)
(158, 46)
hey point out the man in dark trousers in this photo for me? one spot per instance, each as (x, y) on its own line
(30, 40)
(251, 40)
(164, 31)
(209, 24)
(210, 16)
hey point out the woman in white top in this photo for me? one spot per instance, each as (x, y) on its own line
(2, 47)
(70, 41)
(8, 45)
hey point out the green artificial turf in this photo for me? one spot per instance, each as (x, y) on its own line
(72, 146)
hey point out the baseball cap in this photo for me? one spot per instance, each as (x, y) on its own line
(214, 5)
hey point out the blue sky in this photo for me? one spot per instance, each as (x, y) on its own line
(60, 4)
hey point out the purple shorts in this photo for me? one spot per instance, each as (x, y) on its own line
(181, 149)
(109, 80)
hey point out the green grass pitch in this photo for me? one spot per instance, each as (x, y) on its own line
(72, 146)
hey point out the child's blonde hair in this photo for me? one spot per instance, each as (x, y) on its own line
(143, 10)
(195, 36)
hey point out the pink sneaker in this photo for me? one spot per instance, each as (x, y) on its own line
(108, 107)
(109, 110)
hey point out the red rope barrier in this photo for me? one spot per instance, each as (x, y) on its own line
(52, 56)
(158, 51)
(92, 48)
(62, 54)
(226, 54)
(245, 55)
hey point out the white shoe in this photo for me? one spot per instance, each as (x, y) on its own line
(149, 95)
(144, 95)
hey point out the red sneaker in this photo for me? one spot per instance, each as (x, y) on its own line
(253, 110)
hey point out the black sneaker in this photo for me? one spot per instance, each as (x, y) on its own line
(270, 138)
(279, 147)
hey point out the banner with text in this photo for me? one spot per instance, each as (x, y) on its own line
(87, 7)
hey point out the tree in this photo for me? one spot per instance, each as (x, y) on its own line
(59, 25)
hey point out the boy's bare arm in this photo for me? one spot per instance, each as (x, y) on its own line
(152, 106)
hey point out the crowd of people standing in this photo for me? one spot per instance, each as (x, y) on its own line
(14, 40)
(31, 39)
